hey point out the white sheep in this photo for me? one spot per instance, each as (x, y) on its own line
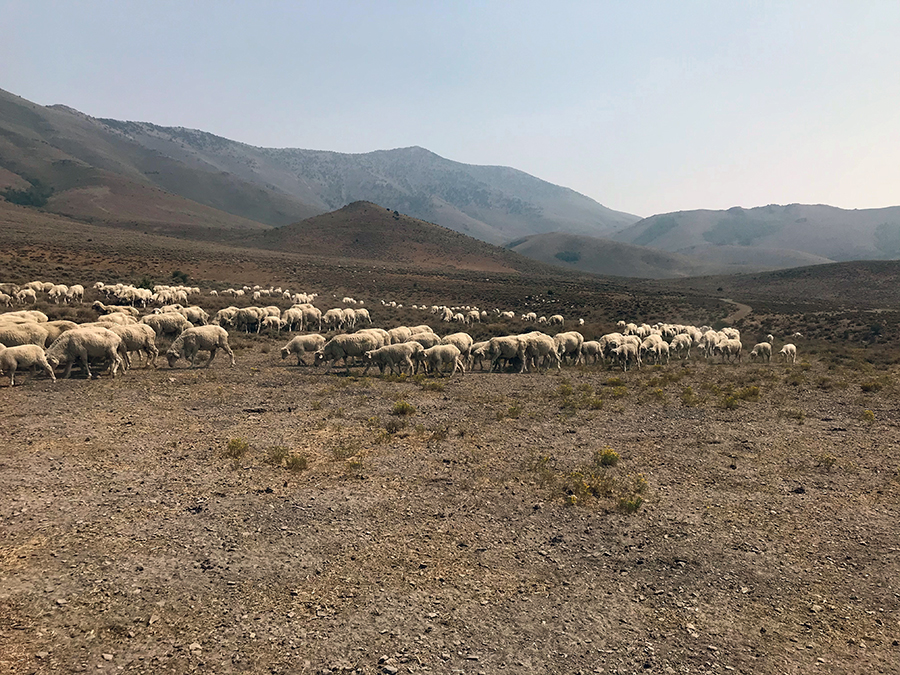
(347, 346)
(789, 353)
(506, 348)
(568, 345)
(462, 341)
(170, 323)
(400, 354)
(730, 349)
(436, 358)
(22, 357)
(556, 320)
(591, 349)
(15, 333)
(627, 352)
(26, 295)
(681, 345)
(301, 344)
(541, 351)
(6, 300)
(763, 350)
(137, 337)
(199, 338)
(83, 344)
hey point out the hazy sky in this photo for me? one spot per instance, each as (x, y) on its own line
(647, 107)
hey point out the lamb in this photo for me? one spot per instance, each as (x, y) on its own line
(302, 344)
(83, 344)
(763, 350)
(345, 347)
(197, 338)
(436, 358)
(789, 353)
(24, 333)
(22, 357)
(400, 354)
(462, 341)
(170, 323)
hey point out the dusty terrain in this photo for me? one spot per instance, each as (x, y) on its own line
(477, 534)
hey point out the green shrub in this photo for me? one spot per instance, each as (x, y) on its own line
(403, 408)
(276, 455)
(296, 463)
(236, 448)
(607, 457)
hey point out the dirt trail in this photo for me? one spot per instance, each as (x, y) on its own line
(742, 311)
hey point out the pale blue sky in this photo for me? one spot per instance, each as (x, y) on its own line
(647, 107)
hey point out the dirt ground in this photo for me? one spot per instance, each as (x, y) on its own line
(742, 530)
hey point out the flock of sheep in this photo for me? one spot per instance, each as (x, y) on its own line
(30, 341)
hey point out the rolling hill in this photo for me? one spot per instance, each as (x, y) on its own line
(367, 231)
(773, 235)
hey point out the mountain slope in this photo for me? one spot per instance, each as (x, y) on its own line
(823, 231)
(492, 203)
(366, 231)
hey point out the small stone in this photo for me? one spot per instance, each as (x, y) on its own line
(42, 655)
(152, 620)
(712, 648)
(61, 602)
(815, 609)
(390, 670)
(195, 647)
(107, 657)
(820, 660)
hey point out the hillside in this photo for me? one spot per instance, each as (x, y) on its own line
(492, 203)
(95, 173)
(367, 231)
(776, 232)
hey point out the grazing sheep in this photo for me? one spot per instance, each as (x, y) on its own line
(400, 354)
(796, 336)
(196, 315)
(382, 337)
(507, 348)
(400, 334)
(627, 352)
(26, 295)
(170, 323)
(75, 294)
(730, 349)
(347, 346)
(137, 337)
(591, 349)
(556, 320)
(770, 339)
(56, 328)
(436, 358)
(568, 345)
(100, 308)
(541, 350)
(118, 318)
(789, 353)
(763, 350)
(363, 313)
(476, 354)
(22, 357)
(26, 315)
(25, 333)
(462, 341)
(681, 344)
(6, 300)
(199, 338)
(83, 344)
(427, 340)
(302, 344)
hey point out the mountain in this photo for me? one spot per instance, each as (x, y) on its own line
(773, 236)
(98, 175)
(367, 231)
(492, 203)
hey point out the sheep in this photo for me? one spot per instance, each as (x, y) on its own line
(170, 323)
(301, 344)
(137, 337)
(627, 352)
(56, 328)
(435, 358)
(540, 346)
(770, 339)
(400, 334)
(83, 344)
(476, 353)
(197, 338)
(681, 344)
(345, 346)
(507, 348)
(473, 316)
(591, 349)
(447, 315)
(196, 315)
(789, 353)
(556, 320)
(118, 318)
(292, 319)
(363, 313)
(427, 340)
(26, 295)
(6, 300)
(380, 334)
(400, 354)
(24, 333)
(333, 317)
(796, 336)
(730, 349)
(21, 357)
(462, 341)
(271, 322)
(762, 350)
(100, 308)
(75, 294)
(569, 345)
